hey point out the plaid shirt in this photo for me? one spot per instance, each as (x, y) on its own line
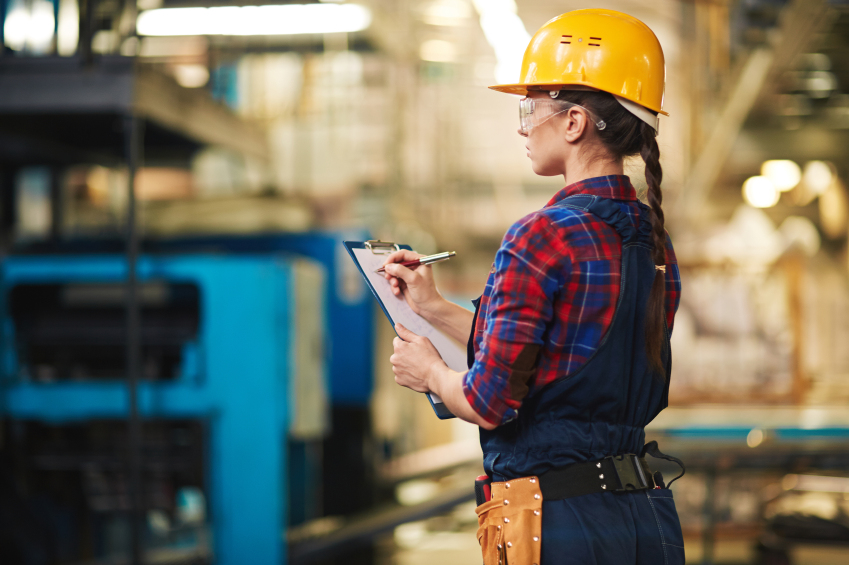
(552, 289)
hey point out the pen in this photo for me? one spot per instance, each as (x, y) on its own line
(426, 260)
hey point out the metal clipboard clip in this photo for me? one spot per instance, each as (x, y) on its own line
(381, 247)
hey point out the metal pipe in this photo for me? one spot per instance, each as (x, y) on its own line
(360, 530)
(132, 138)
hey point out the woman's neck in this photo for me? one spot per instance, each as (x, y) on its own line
(579, 167)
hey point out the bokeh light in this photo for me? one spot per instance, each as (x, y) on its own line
(760, 192)
(755, 438)
(817, 176)
(784, 174)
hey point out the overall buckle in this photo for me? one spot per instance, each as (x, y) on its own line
(629, 472)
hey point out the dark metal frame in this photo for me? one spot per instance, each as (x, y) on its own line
(133, 139)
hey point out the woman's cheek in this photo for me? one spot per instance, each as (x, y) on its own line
(541, 163)
(538, 151)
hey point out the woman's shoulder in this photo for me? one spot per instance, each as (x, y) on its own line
(553, 219)
(562, 224)
(559, 231)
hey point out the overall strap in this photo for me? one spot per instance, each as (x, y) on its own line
(609, 212)
(470, 345)
(577, 202)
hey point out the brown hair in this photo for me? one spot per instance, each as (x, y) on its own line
(626, 135)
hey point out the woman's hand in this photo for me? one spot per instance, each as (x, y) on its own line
(418, 366)
(417, 286)
(414, 360)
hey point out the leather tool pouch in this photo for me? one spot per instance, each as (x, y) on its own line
(510, 524)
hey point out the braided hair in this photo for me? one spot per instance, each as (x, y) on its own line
(626, 136)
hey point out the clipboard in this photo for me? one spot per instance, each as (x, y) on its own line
(365, 252)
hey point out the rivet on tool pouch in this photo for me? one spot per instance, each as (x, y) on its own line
(510, 520)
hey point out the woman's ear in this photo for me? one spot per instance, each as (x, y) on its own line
(576, 124)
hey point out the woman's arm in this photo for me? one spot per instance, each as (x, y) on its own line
(418, 366)
(448, 385)
(451, 319)
(419, 290)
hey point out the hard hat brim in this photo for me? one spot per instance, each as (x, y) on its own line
(521, 89)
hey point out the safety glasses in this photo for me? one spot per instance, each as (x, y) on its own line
(536, 111)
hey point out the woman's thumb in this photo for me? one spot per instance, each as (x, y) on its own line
(404, 333)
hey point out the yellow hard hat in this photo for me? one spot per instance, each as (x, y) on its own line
(597, 49)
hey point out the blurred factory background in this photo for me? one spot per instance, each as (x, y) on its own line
(191, 369)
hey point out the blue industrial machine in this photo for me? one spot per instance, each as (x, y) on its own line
(344, 456)
(233, 350)
(349, 313)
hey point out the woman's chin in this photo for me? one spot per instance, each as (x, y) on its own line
(544, 171)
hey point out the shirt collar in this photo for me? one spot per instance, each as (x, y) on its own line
(618, 187)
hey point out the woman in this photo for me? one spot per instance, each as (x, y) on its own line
(569, 352)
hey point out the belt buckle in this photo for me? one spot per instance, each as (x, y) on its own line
(629, 472)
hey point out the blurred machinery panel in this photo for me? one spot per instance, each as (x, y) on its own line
(233, 359)
(349, 307)
(73, 488)
(308, 389)
(78, 331)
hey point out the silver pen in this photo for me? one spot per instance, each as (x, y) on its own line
(426, 260)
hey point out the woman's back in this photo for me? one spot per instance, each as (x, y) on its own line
(569, 260)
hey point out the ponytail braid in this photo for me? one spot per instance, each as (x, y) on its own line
(655, 311)
(626, 135)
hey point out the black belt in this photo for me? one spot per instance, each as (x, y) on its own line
(616, 473)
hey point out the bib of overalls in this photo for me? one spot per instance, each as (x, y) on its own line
(599, 410)
(602, 408)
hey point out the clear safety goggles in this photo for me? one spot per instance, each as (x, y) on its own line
(536, 111)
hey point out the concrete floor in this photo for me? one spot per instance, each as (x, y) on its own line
(450, 540)
(461, 549)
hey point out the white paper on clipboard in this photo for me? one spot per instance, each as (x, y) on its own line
(452, 353)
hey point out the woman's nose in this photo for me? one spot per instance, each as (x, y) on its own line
(520, 132)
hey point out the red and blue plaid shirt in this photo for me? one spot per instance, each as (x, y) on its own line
(552, 289)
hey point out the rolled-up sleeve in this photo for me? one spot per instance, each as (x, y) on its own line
(529, 269)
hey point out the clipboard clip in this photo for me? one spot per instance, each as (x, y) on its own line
(381, 247)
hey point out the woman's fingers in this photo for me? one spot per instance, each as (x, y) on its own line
(402, 277)
(412, 356)
(415, 286)
(403, 273)
(401, 256)
(396, 286)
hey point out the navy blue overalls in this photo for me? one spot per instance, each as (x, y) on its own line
(599, 410)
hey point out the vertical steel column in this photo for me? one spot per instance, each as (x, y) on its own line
(56, 202)
(133, 141)
(86, 8)
(8, 205)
